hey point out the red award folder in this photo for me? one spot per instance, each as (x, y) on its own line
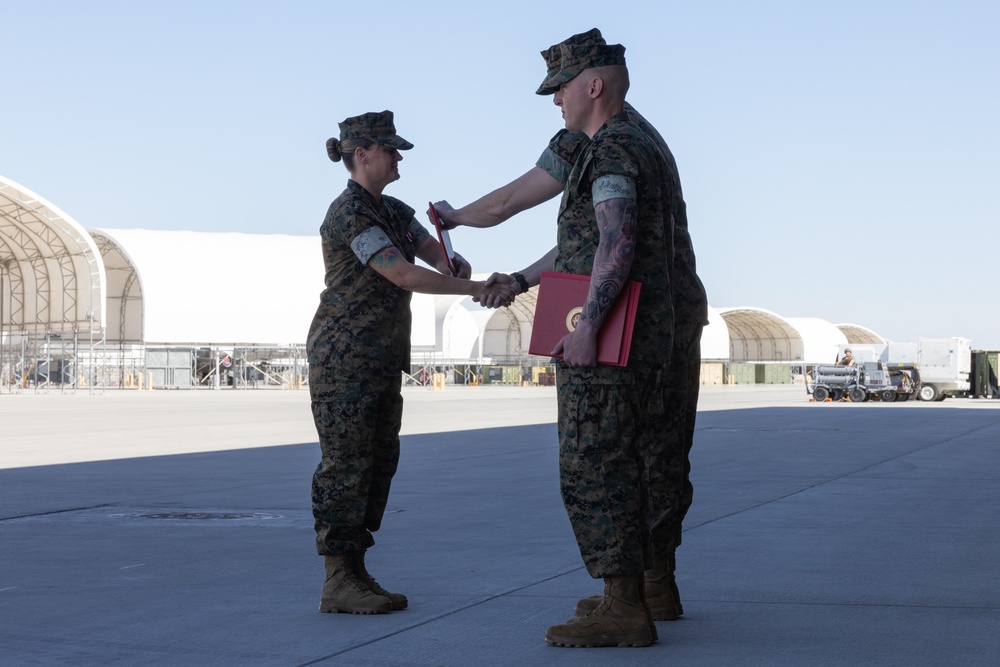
(444, 239)
(560, 301)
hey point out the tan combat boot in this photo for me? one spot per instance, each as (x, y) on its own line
(587, 605)
(343, 592)
(398, 600)
(621, 619)
(660, 590)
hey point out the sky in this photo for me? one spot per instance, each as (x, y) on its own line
(839, 160)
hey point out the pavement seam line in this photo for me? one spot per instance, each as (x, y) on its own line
(837, 479)
(71, 509)
(863, 605)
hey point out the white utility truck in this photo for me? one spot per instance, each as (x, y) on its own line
(944, 364)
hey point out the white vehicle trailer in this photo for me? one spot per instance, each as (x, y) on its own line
(945, 364)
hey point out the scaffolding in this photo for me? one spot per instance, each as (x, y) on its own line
(71, 362)
(68, 363)
(50, 361)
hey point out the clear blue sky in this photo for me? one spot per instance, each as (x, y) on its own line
(839, 160)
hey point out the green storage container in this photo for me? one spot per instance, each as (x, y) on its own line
(511, 375)
(984, 374)
(741, 373)
(773, 374)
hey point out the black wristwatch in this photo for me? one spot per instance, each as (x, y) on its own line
(522, 283)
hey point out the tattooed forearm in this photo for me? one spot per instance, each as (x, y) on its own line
(606, 293)
(616, 219)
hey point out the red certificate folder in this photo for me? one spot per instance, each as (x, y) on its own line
(444, 239)
(560, 301)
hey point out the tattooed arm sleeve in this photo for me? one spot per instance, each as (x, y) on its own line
(617, 217)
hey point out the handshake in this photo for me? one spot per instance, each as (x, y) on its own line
(498, 291)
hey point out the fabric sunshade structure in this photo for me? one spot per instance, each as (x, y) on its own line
(859, 335)
(183, 287)
(124, 292)
(51, 274)
(760, 335)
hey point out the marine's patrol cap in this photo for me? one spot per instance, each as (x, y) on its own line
(574, 58)
(553, 54)
(377, 127)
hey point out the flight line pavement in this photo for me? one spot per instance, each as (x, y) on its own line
(173, 528)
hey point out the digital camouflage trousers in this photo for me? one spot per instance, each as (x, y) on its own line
(672, 414)
(358, 425)
(625, 438)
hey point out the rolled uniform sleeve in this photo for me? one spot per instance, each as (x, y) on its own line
(558, 157)
(613, 170)
(554, 166)
(373, 239)
(369, 242)
(613, 186)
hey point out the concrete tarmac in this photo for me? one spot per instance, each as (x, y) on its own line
(174, 528)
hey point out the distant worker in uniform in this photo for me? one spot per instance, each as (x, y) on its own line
(358, 346)
(672, 420)
(847, 359)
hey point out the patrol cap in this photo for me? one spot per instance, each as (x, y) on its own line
(377, 127)
(574, 58)
(553, 54)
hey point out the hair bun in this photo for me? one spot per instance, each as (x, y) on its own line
(333, 149)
